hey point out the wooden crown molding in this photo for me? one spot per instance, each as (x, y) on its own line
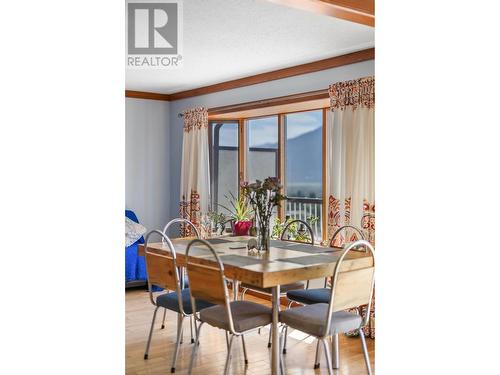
(146, 95)
(315, 66)
(358, 11)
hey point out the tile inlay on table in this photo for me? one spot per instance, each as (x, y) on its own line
(311, 259)
(241, 260)
(307, 248)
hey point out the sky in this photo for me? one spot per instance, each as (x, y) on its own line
(265, 130)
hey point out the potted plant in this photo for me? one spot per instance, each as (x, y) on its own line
(294, 232)
(218, 220)
(240, 214)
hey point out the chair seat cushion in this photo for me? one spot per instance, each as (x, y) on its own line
(246, 315)
(170, 302)
(310, 296)
(311, 319)
(283, 288)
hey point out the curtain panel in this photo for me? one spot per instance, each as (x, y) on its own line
(350, 162)
(195, 170)
(351, 159)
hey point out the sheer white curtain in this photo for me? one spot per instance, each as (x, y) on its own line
(351, 166)
(195, 170)
(351, 159)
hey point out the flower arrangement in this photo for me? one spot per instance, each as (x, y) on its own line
(264, 196)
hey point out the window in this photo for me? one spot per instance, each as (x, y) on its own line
(287, 145)
(262, 153)
(223, 163)
(304, 166)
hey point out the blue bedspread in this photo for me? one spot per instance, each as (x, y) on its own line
(135, 266)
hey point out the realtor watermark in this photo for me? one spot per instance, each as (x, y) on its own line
(154, 34)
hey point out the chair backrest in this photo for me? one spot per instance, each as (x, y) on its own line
(207, 282)
(161, 269)
(180, 221)
(300, 222)
(352, 288)
(346, 227)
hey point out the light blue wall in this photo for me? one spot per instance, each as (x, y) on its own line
(147, 161)
(282, 87)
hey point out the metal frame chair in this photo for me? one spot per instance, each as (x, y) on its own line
(292, 299)
(359, 230)
(339, 303)
(209, 283)
(306, 224)
(283, 290)
(163, 271)
(181, 270)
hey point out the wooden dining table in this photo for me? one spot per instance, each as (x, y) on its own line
(285, 262)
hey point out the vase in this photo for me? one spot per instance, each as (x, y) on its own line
(263, 237)
(242, 227)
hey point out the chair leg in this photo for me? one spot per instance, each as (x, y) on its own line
(327, 356)
(164, 316)
(244, 349)
(284, 343)
(270, 335)
(228, 358)
(365, 352)
(227, 340)
(243, 292)
(150, 333)
(316, 358)
(282, 340)
(191, 328)
(195, 347)
(180, 320)
(335, 351)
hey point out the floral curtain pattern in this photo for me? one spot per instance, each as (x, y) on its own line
(351, 159)
(351, 166)
(195, 170)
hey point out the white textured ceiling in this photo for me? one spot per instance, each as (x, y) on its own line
(225, 40)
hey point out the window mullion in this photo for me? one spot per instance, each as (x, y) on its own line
(281, 161)
(242, 142)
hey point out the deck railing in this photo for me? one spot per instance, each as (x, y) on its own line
(302, 208)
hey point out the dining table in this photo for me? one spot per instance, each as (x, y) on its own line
(285, 262)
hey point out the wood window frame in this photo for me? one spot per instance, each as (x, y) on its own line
(242, 157)
(211, 124)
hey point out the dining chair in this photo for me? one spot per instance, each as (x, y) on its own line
(320, 295)
(208, 283)
(163, 272)
(182, 275)
(350, 288)
(284, 289)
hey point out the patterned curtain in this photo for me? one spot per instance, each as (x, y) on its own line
(195, 172)
(351, 159)
(351, 165)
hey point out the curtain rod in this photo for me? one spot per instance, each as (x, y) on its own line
(280, 100)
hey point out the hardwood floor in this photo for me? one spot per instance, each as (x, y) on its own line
(212, 353)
